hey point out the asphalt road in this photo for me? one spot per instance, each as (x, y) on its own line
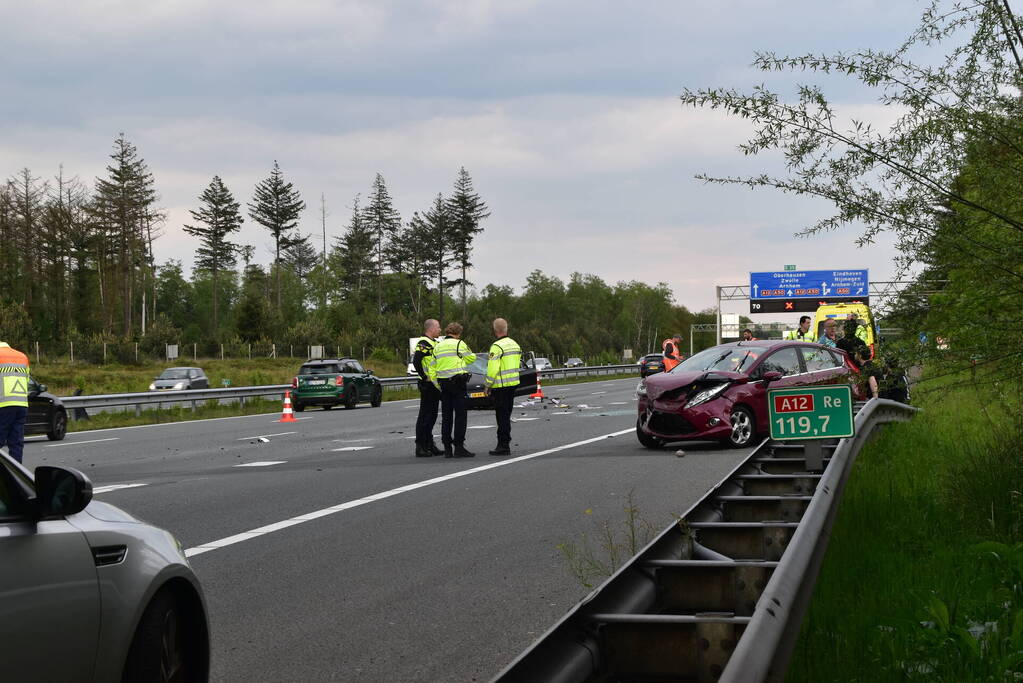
(329, 553)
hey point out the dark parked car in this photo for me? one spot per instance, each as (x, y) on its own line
(173, 379)
(650, 364)
(574, 363)
(478, 374)
(88, 592)
(721, 392)
(46, 413)
(331, 382)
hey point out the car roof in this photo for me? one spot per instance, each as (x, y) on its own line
(320, 361)
(182, 367)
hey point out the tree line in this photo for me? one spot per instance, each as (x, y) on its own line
(78, 263)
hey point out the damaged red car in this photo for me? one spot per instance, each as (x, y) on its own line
(721, 393)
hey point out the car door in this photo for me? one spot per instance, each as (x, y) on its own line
(49, 593)
(787, 361)
(201, 382)
(38, 408)
(355, 373)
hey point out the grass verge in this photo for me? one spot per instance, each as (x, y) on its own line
(923, 578)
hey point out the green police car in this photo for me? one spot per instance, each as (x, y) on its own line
(330, 382)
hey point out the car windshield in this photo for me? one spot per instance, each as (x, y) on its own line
(542, 361)
(174, 373)
(318, 370)
(726, 358)
(479, 366)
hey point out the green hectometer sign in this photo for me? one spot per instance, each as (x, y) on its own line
(811, 412)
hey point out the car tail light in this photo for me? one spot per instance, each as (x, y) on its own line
(339, 381)
(294, 382)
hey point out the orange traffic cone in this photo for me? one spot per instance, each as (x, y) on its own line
(287, 415)
(539, 389)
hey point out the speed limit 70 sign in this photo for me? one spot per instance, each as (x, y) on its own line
(811, 412)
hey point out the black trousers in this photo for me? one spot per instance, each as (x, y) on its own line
(504, 403)
(454, 406)
(429, 403)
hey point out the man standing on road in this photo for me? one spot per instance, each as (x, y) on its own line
(672, 350)
(429, 394)
(502, 378)
(13, 399)
(451, 356)
(803, 333)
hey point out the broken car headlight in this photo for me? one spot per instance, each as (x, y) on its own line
(641, 389)
(706, 395)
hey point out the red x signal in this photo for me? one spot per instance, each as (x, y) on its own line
(789, 305)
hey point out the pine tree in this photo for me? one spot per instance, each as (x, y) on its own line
(434, 240)
(465, 209)
(384, 224)
(217, 218)
(124, 208)
(352, 256)
(301, 258)
(276, 206)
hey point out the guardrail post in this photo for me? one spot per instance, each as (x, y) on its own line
(138, 410)
(193, 406)
(813, 451)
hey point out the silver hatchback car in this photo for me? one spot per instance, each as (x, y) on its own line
(88, 592)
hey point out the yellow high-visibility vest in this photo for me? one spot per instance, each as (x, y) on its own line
(503, 366)
(451, 356)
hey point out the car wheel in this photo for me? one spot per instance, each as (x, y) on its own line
(298, 407)
(378, 396)
(743, 427)
(327, 406)
(160, 649)
(58, 426)
(351, 398)
(647, 440)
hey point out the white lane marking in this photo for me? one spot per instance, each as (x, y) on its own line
(482, 427)
(352, 448)
(78, 443)
(352, 440)
(563, 412)
(264, 436)
(316, 514)
(618, 403)
(598, 392)
(524, 419)
(116, 487)
(262, 463)
(299, 418)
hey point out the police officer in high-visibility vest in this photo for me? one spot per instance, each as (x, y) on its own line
(13, 399)
(803, 332)
(429, 394)
(502, 378)
(451, 356)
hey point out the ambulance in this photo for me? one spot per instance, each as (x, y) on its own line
(839, 313)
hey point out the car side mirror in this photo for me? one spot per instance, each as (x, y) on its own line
(41, 389)
(368, 371)
(61, 491)
(771, 376)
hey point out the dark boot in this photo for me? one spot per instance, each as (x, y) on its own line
(432, 447)
(422, 451)
(502, 449)
(448, 451)
(461, 452)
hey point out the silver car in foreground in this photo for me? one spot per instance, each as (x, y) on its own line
(88, 592)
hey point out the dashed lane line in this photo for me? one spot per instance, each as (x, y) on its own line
(261, 463)
(79, 443)
(264, 436)
(116, 487)
(348, 505)
(352, 448)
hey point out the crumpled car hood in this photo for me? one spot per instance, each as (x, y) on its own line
(659, 384)
(106, 512)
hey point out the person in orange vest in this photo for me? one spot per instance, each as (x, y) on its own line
(13, 399)
(672, 349)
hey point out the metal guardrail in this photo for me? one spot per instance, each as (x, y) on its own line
(193, 396)
(719, 595)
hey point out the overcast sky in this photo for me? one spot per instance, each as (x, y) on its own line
(565, 114)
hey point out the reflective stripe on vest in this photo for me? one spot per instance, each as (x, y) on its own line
(450, 358)
(503, 366)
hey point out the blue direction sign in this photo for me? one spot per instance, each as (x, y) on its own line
(809, 284)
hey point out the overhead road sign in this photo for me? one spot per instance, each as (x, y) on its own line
(811, 412)
(800, 305)
(809, 284)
